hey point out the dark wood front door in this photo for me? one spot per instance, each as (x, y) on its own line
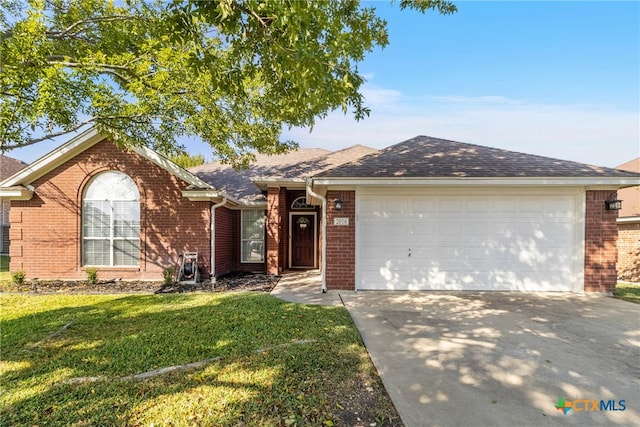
(303, 240)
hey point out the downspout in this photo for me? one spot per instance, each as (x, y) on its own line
(213, 239)
(323, 228)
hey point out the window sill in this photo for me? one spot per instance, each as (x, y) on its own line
(110, 268)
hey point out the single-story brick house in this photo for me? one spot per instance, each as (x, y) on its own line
(424, 214)
(629, 228)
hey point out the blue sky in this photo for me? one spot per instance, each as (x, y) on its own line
(559, 79)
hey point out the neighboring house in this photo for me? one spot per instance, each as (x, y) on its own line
(629, 228)
(8, 167)
(423, 214)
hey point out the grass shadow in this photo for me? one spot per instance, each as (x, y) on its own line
(115, 336)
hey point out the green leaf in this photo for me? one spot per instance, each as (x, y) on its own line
(230, 73)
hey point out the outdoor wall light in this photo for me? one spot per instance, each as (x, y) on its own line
(337, 204)
(613, 203)
(303, 222)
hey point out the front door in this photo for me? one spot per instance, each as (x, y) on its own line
(303, 240)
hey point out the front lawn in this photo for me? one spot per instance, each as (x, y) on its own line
(627, 292)
(66, 358)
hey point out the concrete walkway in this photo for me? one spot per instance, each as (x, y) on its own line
(495, 358)
(304, 287)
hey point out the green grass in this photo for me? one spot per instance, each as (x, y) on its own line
(627, 292)
(5, 275)
(112, 336)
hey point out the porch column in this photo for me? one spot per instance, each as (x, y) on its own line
(600, 252)
(275, 214)
(341, 241)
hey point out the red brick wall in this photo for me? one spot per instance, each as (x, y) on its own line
(228, 244)
(282, 231)
(601, 253)
(629, 251)
(341, 242)
(273, 231)
(276, 212)
(46, 230)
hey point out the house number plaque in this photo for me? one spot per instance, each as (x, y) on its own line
(340, 221)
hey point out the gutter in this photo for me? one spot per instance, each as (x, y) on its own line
(596, 182)
(323, 228)
(213, 239)
(628, 219)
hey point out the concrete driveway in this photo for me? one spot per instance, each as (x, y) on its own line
(503, 359)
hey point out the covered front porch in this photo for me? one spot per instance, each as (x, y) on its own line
(293, 231)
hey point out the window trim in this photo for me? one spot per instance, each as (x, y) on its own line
(111, 239)
(243, 239)
(300, 203)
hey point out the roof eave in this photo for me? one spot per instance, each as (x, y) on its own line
(214, 196)
(208, 195)
(264, 183)
(85, 141)
(53, 159)
(17, 192)
(171, 167)
(629, 219)
(612, 182)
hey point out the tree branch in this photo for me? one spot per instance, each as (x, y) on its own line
(52, 60)
(140, 119)
(62, 34)
(48, 136)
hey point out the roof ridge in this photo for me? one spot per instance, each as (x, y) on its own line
(504, 150)
(422, 156)
(351, 147)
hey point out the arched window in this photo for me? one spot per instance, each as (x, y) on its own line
(301, 203)
(111, 221)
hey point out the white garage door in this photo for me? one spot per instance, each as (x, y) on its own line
(467, 242)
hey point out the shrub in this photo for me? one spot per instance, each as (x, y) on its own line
(92, 275)
(167, 275)
(18, 277)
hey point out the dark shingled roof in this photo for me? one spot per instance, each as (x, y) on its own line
(427, 157)
(301, 163)
(10, 166)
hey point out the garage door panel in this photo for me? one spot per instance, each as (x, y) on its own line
(424, 231)
(424, 207)
(524, 242)
(496, 280)
(451, 205)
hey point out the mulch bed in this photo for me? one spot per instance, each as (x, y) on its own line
(231, 282)
(256, 282)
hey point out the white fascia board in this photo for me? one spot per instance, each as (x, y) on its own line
(17, 192)
(628, 220)
(208, 195)
(216, 196)
(572, 182)
(55, 158)
(201, 195)
(81, 143)
(264, 183)
(171, 167)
